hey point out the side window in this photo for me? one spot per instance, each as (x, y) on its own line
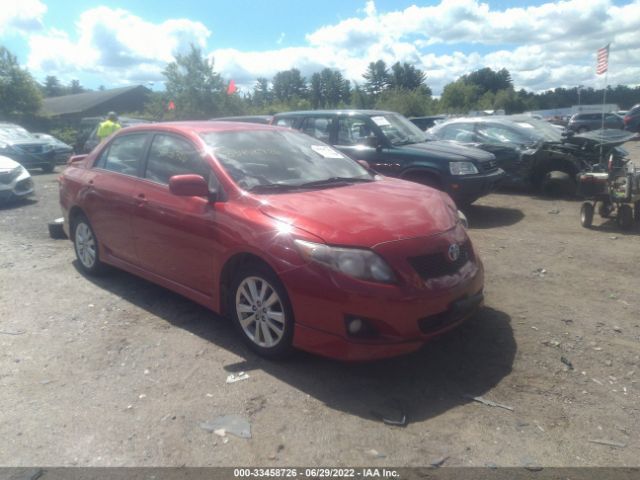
(498, 134)
(284, 122)
(318, 127)
(460, 132)
(353, 131)
(169, 156)
(124, 154)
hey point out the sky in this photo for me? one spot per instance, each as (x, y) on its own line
(117, 43)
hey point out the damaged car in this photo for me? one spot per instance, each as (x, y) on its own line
(531, 150)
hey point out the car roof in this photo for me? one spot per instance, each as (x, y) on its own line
(334, 112)
(202, 126)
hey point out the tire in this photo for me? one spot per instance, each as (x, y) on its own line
(49, 167)
(605, 209)
(586, 215)
(56, 229)
(86, 247)
(261, 311)
(625, 217)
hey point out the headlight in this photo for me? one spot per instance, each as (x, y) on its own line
(462, 168)
(354, 262)
(15, 173)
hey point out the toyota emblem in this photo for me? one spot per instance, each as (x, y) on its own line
(454, 252)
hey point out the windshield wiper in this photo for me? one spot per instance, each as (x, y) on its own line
(273, 187)
(335, 181)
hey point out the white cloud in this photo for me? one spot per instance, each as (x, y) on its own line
(543, 46)
(115, 44)
(21, 16)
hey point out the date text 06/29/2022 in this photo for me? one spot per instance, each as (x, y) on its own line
(315, 473)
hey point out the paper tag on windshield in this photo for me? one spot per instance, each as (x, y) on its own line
(380, 121)
(326, 152)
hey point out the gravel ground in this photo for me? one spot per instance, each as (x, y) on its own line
(119, 372)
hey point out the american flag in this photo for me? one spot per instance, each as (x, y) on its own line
(603, 60)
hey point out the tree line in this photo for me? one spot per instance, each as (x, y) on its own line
(196, 91)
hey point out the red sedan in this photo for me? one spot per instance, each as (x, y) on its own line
(300, 245)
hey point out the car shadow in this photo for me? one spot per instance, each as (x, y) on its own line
(469, 360)
(483, 216)
(610, 226)
(17, 203)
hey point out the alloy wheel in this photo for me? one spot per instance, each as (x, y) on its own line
(260, 311)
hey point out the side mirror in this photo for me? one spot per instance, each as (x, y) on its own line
(371, 142)
(189, 186)
(364, 163)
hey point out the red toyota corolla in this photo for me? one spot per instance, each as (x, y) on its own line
(298, 244)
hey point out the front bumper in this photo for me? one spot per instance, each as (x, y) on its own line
(21, 187)
(465, 189)
(403, 316)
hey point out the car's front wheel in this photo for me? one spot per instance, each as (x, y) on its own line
(262, 312)
(86, 246)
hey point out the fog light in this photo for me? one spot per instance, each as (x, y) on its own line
(359, 327)
(354, 326)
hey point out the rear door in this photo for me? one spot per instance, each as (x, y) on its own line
(108, 201)
(175, 236)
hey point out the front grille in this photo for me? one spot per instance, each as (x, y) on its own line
(438, 264)
(489, 166)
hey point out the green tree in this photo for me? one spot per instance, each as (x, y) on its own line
(19, 92)
(377, 78)
(459, 97)
(75, 87)
(488, 80)
(194, 87)
(52, 86)
(410, 103)
(261, 96)
(289, 85)
(329, 89)
(406, 76)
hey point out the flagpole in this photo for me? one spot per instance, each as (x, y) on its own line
(604, 101)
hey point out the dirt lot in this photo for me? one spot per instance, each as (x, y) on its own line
(118, 371)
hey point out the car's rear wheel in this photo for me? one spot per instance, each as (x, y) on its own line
(625, 217)
(262, 312)
(86, 246)
(586, 215)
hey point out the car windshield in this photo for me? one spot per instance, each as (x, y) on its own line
(272, 160)
(541, 127)
(398, 130)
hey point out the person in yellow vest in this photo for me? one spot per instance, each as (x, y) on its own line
(109, 126)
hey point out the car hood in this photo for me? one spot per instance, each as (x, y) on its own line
(7, 164)
(451, 151)
(364, 214)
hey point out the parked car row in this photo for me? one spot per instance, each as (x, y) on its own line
(305, 232)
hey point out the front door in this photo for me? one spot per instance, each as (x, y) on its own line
(175, 236)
